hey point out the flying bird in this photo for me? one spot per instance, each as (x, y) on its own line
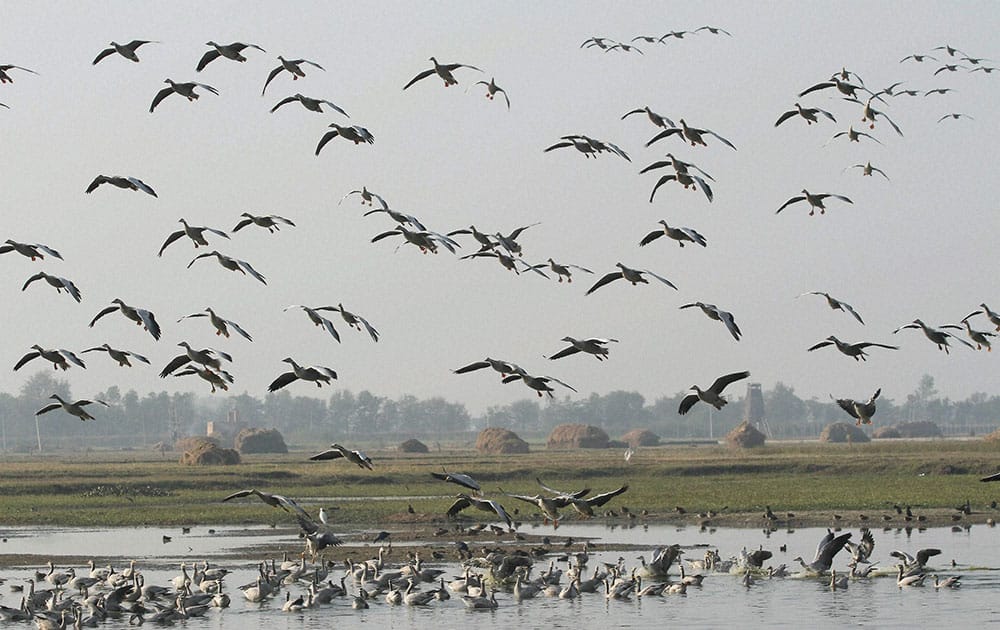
(59, 358)
(207, 357)
(218, 379)
(317, 319)
(140, 316)
(955, 116)
(293, 67)
(714, 312)
(563, 270)
(853, 350)
(685, 179)
(367, 197)
(845, 88)
(29, 250)
(314, 374)
(232, 264)
(184, 89)
(657, 119)
(861, 411)
(679, 234)
(828, 547)
(936, 336)
(356, 321)
(918, 58)
(712, 395)
(538, 383)
(121, 356)
(460, 479)
(867, 169)
(504, 368)
(193, 232)
(854, 136)
(354, 133)
(979, 337)
(691, 134)
(126, 183)
(486, 505)
(835, 304)
(869, 114)
(714, 30)
(635, 276)
(220, 324)
(74, 408)
(125, 50)
(60, 284)
(442, 70)
(6, 78)
(492, 88)
(336, 451)
(594, 346)
(232, 51)
(312, 104)
(271, 222)
(814, 200)
(590, 147)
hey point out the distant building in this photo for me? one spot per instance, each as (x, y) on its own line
(225, 432)
(753, 408)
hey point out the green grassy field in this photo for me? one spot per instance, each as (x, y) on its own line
(809, 479)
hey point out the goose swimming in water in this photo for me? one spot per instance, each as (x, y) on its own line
(120, 356)
(127, 183)
(293, 67)
(74, 408)
(336, 451)
(184, 89)
(140, 316)
(220, 324)
(60, 284)
(29, 250)
(60, 359)
(315, 374)
(443, 70)
(232, 51)
(125, 50)
(712, 395)
(232, 264)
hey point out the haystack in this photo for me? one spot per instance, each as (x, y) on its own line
(745, 436)
(924, 429)
(497, 441)
(208, 454)
(192, 442)
(413, 445)
(992, 437)
(577, 436)
(260, 441)
(641, 437)
(887, 433)
(843, 432)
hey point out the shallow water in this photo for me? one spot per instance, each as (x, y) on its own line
(722, 600)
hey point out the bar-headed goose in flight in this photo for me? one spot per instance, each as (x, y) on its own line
(936, 335)
(993, 316)
(869, 114)
(232, 51)
(218, 379)
(193, 232)
(563, 270)
(6, 78)
(504, 368)
(685, 179)
(443, 70)
(184, 89)
(126, 183)
(979, 337)
(140, 316)
(679, 234)
(867, 169)
(492, 88)
(460, 479)
(589, 146)
(314, 374)
(918, 58)
(312, 104)
(814, 200)
(336, 451)
(29, 250)
(367, 197)
(486, 505)
(712, 395)
(853, 136)
(835, 304)
(860, 411)
(232, 264)
(399, 217)
(548, 506)
(808, 113)
(854, 350)
(845, 88)
(74, 408)
(691, 134)
(828, 547)
(59, 358)
(293, 67)
(714, 30)
(207, 357)
(317, 319)
(635, 276)
(538, 383)
(956, 116)
(60, 284)
(425, 240)
(120, 356)
(592, 345)
(220, 324)
(125, 50)
(271, 222)
(354, 133)
(356, 321)
(714, 312)
(657, 119)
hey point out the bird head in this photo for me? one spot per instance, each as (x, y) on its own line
(118, 301)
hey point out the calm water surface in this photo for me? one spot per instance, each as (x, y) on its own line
(722, 600)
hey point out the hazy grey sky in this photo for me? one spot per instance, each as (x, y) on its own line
(921, 245)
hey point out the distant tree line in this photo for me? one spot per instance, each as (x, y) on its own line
(132, 420)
